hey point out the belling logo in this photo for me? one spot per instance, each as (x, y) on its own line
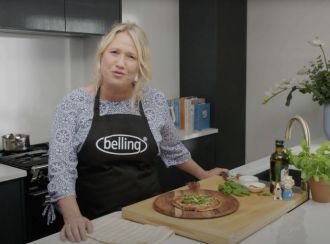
(121, 144)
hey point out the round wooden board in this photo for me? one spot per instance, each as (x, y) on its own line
(163, 204)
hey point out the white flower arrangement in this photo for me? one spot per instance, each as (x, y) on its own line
(314, 79)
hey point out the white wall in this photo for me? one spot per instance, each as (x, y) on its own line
(160, 21)
(34, 73)
(277, 35)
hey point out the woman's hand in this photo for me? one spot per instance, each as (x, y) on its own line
(75, 229)
(194, 169)
(76, 226)
(215, 171)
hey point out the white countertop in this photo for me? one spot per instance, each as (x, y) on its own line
(10, 173)
(306, 224)
(55, 239)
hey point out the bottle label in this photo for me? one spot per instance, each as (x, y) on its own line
(284, 172)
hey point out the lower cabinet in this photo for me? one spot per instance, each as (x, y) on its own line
(12, 213)
(202, 150)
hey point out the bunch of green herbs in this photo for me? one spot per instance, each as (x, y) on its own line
(312, 165)
(233, 188)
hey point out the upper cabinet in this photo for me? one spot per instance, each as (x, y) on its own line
(38, 15)
(93, 17)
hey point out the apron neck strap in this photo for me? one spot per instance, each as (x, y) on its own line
(97, 105)
(141, 110)
(97, 102)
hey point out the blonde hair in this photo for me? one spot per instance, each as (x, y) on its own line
(142, 46)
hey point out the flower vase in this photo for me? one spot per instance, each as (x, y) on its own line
(326, 120)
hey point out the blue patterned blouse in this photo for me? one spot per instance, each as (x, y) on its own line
(73, 119)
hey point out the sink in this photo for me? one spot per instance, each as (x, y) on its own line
(296, 175)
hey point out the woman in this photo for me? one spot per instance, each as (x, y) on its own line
(106, 136)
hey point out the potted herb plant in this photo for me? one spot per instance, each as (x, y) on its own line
(315, 169)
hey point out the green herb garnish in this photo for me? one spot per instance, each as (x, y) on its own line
(196, 199)
(233, 188)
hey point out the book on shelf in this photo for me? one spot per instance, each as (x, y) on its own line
(190, 113)
(176, 107)
(202, 116)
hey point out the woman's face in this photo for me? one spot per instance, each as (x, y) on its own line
(119, 63)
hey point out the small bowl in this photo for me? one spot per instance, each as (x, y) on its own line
(247, 178)
(255, 186)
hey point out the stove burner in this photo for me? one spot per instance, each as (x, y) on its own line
(37, 155)
(35, 147)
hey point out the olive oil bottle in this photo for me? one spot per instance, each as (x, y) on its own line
(279, 165)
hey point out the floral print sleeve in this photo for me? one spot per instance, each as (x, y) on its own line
(171, 149)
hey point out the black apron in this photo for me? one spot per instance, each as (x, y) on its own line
(116, 165)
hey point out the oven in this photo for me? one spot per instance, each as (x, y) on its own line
(35, 162)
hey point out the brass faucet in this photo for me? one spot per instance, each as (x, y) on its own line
(304, 127)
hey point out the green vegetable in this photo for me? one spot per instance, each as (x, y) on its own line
(233, 188)
(196, 199)
(264, 193)
(312, 165)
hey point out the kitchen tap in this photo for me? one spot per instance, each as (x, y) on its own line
(304, 186)
(304, 127)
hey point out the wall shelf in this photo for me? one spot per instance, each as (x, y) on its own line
(186, 135)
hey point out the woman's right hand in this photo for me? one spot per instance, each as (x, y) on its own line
(75, 229)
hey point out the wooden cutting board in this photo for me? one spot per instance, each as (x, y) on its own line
(164, 205)
(254, 213)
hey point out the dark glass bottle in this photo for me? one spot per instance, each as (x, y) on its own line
(279, 165)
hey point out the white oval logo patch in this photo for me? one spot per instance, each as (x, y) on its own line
(121, 144)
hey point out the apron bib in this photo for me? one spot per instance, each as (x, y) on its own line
(116, 165)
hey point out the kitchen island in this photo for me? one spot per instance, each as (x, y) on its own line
(308, 223)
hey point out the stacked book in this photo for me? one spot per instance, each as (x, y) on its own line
(190, 113)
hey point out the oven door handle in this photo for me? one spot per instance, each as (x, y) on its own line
(38, 193)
